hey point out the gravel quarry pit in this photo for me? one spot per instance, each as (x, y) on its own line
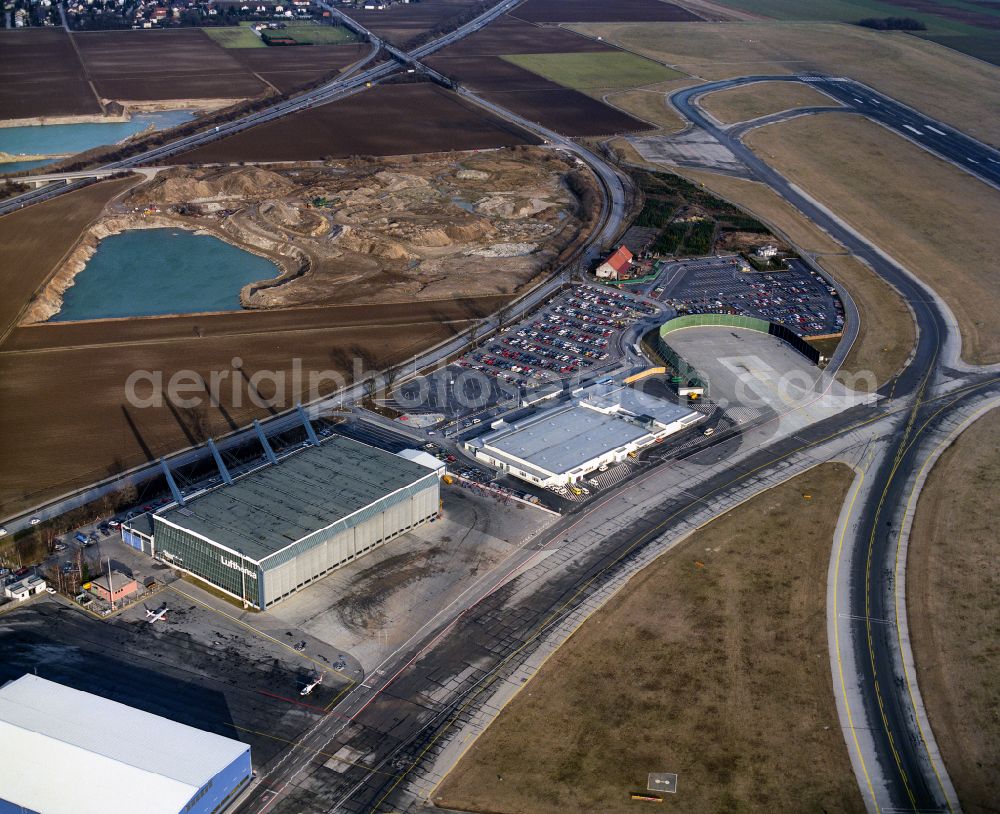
(365, 230)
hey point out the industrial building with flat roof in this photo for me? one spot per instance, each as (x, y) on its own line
(70, 752)
(599, 426)
(279, 528)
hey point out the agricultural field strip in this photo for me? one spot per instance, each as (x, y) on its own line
(38, 339)
(971, 28)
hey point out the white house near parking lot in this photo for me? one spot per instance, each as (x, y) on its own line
(21, 590)
(600, 426)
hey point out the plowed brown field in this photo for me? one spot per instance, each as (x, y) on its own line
(47, 72)
(405, 23)
(40, 75)
(602, 11)
(289, 68)
(75, 376)
(387, 120)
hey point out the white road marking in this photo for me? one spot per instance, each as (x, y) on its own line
(993, 161)
(856, 99)
(935, 130)
(971, 160)
(914, 129)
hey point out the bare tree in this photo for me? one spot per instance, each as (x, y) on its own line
(475, 331)
(503, 314)
(390, 375)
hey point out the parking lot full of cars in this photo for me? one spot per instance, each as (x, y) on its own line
(798, 298)
(573, 334)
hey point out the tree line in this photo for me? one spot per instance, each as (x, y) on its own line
(892, 24)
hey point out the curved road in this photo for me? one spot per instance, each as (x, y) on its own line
(905, 766)
(336, 89)
(910, 780)
(494, 636)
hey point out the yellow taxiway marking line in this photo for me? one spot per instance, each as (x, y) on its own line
(836, 642)
(260, 633)
(643, 538)
(297, 745)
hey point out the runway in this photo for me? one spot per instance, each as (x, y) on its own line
(401, 718)
(909, 781)
(978, 159)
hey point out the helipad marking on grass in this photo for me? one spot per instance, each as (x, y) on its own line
(662, 782)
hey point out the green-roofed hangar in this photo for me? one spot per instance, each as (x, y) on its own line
(279, 528)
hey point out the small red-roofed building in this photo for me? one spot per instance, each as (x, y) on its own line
(617, 265)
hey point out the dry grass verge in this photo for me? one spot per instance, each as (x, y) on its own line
(953, 601)
(34, 240)
(712, 662)
(939, 81)
(741, 104)
(936, 220)
(886, 334)
(650, 104)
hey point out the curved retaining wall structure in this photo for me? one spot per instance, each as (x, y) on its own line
(689, 374)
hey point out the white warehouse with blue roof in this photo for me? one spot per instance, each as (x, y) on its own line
(71, 752)
(600, 426)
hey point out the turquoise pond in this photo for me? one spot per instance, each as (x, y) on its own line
(24, 166)
(150, 272)
(69, 139)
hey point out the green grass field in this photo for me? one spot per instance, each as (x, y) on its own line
(307, 33)
(969, 27)
(235, 36)
(613, 69)
(302, 31)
